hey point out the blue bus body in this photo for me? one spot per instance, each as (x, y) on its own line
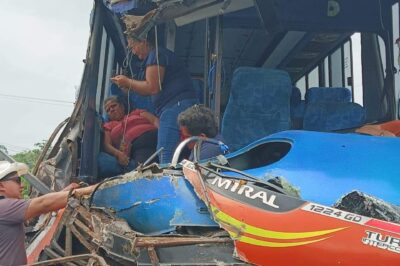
(326, 166)
(323, 167)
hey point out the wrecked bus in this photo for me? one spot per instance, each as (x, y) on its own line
(289, 81)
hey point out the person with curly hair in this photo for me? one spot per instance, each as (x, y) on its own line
(199, 120)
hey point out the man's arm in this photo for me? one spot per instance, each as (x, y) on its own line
(53, 201)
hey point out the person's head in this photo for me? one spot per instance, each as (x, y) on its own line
(115, 108)
(197, 120)
(10, 179)
(142, 47)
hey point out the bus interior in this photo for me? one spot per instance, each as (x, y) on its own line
(263, 66)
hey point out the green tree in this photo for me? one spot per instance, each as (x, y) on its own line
(29, 157)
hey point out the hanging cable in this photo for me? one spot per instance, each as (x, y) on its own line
(123, 146)
(126, 64)
(158, 61)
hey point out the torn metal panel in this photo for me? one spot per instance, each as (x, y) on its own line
(113, 238)
(363, 204)
(153, 201)
(57, 171)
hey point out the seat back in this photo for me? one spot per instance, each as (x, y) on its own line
(297, 108)
(258, 105)
(328, 94)
(329, 109)
(329, 116)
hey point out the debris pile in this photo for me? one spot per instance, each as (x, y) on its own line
(366, 205)
(138, 26)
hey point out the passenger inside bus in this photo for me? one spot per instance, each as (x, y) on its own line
(388, 129)
(167, 80)
(129, 138)
(199, 120)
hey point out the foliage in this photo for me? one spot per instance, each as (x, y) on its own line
(29, 157)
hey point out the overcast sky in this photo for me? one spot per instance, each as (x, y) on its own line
(42, 44)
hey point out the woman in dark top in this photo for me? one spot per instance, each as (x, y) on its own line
(168, 82)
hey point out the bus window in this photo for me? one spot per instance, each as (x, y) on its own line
(313, 80)
(396, 35)
(348, 66)
(326, 72)
(383, 54)
(357, 71)
(301, 84)
(336, 68)
(110, 68)
(101, 71)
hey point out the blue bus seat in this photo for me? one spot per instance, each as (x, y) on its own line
(329, 116)
(330, 108)
(328, 94)
(297, 108)
(258, 105)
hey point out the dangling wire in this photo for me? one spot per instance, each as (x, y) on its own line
(127, 65)
(127, 61)
(158, 61)
(123, 146)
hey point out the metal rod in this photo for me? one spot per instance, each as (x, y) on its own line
(68, 241)
(206, 62)
(218, 69)
(66, 259)
(81, 239)
(153, 256)
(177, 241)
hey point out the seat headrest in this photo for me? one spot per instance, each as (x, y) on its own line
(333, 116)
(328, 94)
(295, 98)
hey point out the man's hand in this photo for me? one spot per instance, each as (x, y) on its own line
(71, 186)
(85, 190)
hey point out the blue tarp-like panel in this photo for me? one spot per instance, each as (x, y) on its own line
(136, 7)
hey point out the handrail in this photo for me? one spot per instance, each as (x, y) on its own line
(196, 153)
